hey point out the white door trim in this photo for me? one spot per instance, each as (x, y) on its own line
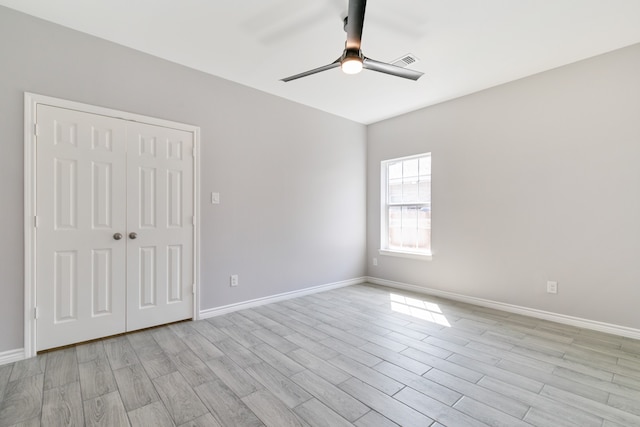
(31, 100)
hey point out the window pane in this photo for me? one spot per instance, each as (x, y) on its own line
(409, 226)
(424, 229)
(424, 191)
(395, 190)
(395, 227)
(394, 170)
(410, 168)
(410, 190)
(425, 166)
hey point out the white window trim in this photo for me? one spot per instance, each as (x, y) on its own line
(384, 237)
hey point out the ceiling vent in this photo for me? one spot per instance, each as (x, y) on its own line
(405, 61)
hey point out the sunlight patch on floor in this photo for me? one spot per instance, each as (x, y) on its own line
(417, 308)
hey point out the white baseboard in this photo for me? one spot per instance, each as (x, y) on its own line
(510, 308)
(11, 356)
(217, 311)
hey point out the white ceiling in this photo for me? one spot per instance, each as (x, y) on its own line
(463, 45)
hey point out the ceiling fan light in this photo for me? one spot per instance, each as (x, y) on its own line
(351, 65)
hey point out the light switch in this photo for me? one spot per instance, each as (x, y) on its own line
(215, 198)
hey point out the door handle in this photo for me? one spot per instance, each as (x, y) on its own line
(133, 236)
(117, 236)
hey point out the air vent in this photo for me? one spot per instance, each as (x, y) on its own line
(405, 60)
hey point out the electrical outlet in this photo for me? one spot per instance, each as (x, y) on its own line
(375, 261)
(233, 281)
(552, 287)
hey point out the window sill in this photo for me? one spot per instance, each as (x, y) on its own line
(410, 255)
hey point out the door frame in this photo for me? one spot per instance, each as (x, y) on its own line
(31, 101)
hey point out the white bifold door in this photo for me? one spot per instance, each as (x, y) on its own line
(114, 233)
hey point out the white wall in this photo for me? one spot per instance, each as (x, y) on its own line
(534, 180)
(292, 179)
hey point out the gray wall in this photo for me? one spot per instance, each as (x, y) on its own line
(535, 180)
(292, 179)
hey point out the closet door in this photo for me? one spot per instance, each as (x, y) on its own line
(160, 225)
(80, 234)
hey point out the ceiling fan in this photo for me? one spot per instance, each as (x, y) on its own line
(352, 61)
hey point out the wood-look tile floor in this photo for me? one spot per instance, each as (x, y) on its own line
(361, 355)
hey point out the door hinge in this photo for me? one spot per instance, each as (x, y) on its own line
(36, 129)
(35, 312)
(193, 220)
(193, 289)
(35, 221)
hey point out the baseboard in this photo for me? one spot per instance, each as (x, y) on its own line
(11, 356)
(217, 311)
(516, 309)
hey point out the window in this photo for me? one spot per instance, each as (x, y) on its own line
(406, 206)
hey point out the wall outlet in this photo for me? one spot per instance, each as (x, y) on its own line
(233, 280)
(375, 261)
(552, 287)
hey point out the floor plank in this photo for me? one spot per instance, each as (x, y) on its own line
(270, 410)
(105, 411)
(317, 414)
(61, 368)
(319, 366)
(5, 374)
(153, 414)
(446, 395)
(62, 406)
(284, 388)
(336, 399)
(120, 353)
(192, 368)
(236, 378)
(384, 383)
(29, 367)
(22, 400)
(179, 398)
(225, 406)
(470, 390)
(135, 387)
(436, 410)
(96, 378)
(206, 420)
(389, 407)
(202, 347)
(374, 419)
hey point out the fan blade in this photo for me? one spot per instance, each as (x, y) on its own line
(334, 64)
(383, 67)
(355, 22)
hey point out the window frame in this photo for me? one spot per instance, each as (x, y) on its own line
(384, 211)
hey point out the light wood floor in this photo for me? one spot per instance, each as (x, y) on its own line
(361, 355)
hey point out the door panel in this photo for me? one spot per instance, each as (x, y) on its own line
(160, 201)
(175, 286)
(65, 193)
(80, 277)
(65, 292)
(101, 206)
(101, 283)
